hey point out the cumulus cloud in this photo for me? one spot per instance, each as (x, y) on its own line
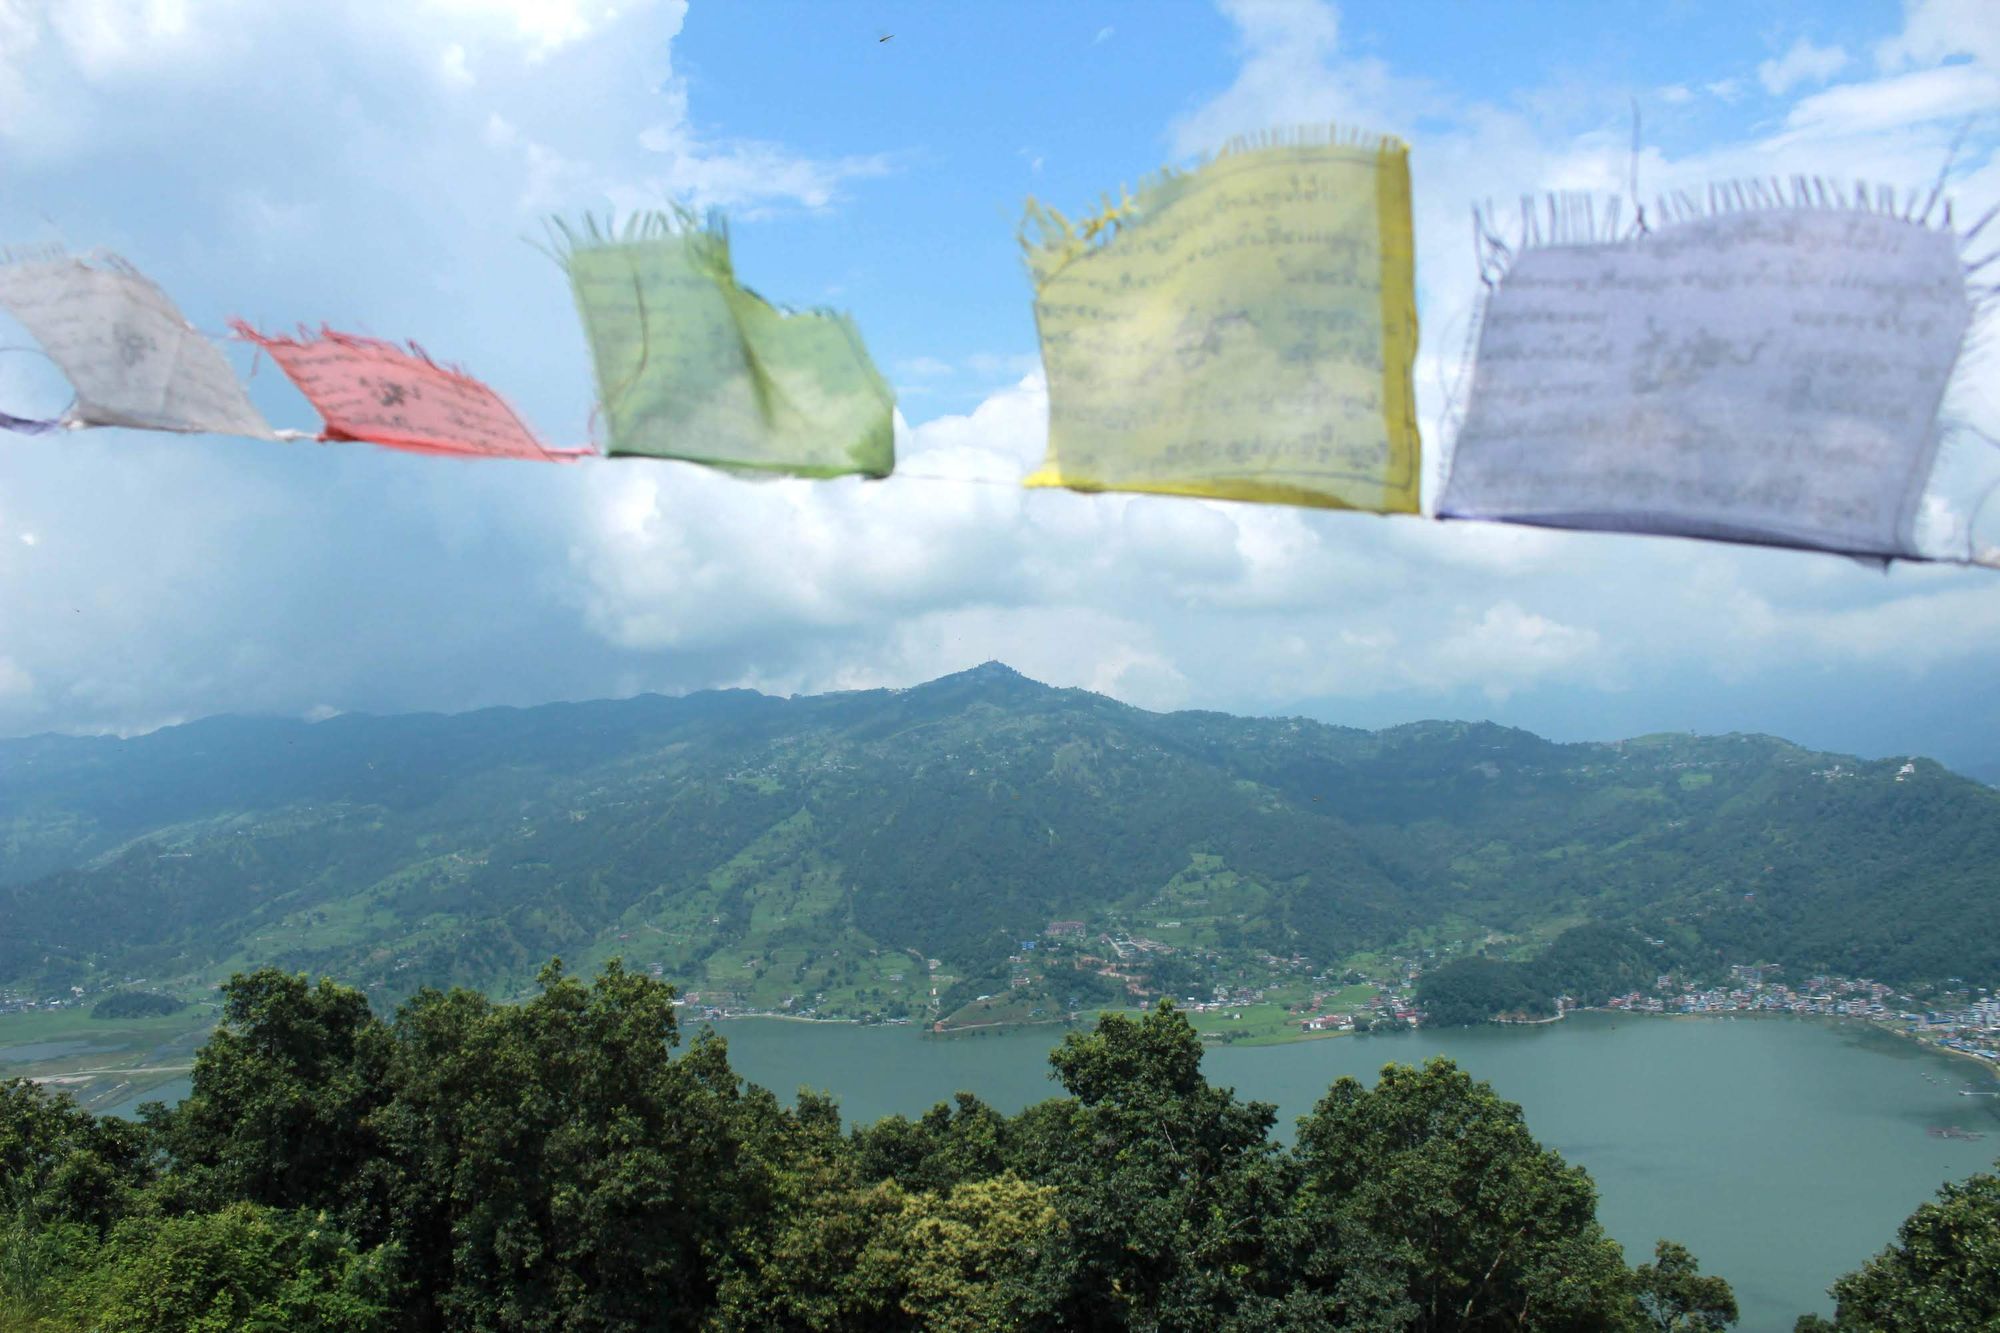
(1507, 648)
(1804, 63)
(145, 580)
(1949, 92)
(14, 680)
(1936, 30)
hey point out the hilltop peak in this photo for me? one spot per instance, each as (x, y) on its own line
(986, 674)
(991, 669)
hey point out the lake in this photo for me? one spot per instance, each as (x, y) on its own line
(1782, 1151)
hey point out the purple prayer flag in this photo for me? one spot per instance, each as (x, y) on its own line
(27, 425)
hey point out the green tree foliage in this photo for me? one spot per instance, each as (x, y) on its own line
(955, 820)
(242, 1267)
(968, 1261)
(1590, 964)
(1675, 1298)
(549, 1165)
(59, 1164)
(66, 1177)
(136, 1004)
(282, 1092)
(564, 1164)
(1163, 1182)
(1430, 1206)
(1941, 1276)
(1472, 990)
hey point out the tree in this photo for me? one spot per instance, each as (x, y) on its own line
(65, 1178)
(1429, 1206)
(1941, 1276)
(60, 1164)
(966, 1261)
(1162, 1181)
(282, 1091)
(549, 1165)
(949, 1144)
(244, 1267)
(1674, 1297)
(559, 1164)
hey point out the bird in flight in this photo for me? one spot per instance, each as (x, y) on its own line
(880, 40)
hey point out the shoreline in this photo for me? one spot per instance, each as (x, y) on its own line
(1992, 1068)
(793, 1018)
(1211, 1039)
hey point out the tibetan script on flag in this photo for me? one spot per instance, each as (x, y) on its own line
(1245, 331)
(126, 350)
(692, 366)
(1769, 376)
(378, 393)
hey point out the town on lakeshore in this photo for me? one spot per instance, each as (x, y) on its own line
(1292, 998)
(1067, 973)
(1282, 998)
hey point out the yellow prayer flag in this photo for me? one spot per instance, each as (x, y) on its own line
(1244, 331)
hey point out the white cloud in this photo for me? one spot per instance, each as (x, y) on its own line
(1508, 648)
(14, 681)
(453, 66)
(539, 26)
(1804, 63)
(742, 172)
(455, 586)
(1949, 92)
(102, 40)
(1288, 49)
(110, 37)
(1153, 600)
(559, 80)
(1936, 30)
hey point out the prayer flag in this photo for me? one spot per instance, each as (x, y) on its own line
(131, 357)
(378, 393)
(1770, 375)
(27, 425)
(1244, 331)
(692, 366)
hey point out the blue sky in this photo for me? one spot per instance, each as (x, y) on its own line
(378, 164)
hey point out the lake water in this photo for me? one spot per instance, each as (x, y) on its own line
(1783, 1152)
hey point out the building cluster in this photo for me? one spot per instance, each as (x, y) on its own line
(73, 997)
(1972, 1026)
(1967, 1022)
(1756, 989)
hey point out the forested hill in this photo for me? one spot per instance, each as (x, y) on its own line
(752, 845)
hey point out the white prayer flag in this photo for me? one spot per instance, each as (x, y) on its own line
(133, 360)
(1769, 376)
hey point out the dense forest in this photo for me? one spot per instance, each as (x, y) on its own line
(136, 1004)
(1589, 964)
(559, 1164)
(764, 847)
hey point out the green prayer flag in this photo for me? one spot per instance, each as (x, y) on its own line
(691, 365)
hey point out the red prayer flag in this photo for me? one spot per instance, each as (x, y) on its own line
(378, 393)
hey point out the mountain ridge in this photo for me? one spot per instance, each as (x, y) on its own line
(753, 845)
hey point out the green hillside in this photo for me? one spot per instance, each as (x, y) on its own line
(850, 854)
